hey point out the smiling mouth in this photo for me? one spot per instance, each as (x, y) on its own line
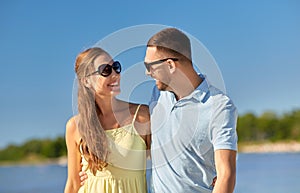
(115, 84)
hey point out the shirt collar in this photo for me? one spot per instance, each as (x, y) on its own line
(200, 92)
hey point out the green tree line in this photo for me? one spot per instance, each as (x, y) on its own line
(42, 148)
(266, 127)
(269, 127)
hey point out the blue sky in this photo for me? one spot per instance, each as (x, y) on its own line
(255, 44)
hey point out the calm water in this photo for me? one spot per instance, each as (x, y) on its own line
(257, 173)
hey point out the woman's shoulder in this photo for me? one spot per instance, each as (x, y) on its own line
(144, 108)
(133, 106)
(72, 121)
(71, 125)
(143, 114)
(141, 110)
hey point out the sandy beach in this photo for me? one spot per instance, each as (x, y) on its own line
(270, 147)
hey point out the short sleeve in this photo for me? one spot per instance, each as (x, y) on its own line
(223, 124)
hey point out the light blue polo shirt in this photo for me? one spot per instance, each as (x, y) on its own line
(185, 134)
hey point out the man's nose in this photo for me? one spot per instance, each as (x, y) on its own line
(148, 73)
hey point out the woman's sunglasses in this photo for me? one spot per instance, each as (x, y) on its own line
(106, 69)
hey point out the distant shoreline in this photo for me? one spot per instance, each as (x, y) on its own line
(243, 147)
(270, 147)
(62, 161)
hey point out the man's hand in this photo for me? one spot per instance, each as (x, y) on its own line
(214, 181)
(83, 177)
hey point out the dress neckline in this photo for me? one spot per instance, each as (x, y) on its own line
(130, 124)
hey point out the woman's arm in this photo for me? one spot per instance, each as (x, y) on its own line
(74, 158)
(143, 126)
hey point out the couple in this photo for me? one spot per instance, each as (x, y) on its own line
(193, 126)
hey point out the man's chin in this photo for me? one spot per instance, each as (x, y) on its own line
(161, 86)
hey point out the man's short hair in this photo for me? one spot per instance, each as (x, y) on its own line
(172, 41)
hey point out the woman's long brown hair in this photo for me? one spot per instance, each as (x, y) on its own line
(94, 141)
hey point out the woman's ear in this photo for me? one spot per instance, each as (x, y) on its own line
(86, 82)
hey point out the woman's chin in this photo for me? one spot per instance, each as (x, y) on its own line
(115, 92)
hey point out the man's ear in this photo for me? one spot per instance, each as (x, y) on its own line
(172, 66)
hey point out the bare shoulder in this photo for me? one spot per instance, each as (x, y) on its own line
(71, 128)
(143, 114)
(71, 124)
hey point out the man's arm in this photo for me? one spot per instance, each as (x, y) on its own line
(224, 139)
(225, 161)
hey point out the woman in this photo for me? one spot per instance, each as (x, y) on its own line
(109, 137)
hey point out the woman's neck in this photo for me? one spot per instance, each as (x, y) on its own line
(106, 105)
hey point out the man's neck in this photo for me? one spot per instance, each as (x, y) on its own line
(185, 87)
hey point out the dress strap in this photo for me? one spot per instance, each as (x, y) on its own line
(135, 114)
(80, 147)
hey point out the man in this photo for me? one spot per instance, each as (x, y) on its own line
(193, 124)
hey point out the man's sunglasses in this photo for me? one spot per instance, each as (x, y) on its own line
(148, 65)
(106, 69)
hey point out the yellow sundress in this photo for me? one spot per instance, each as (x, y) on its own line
(125, 172)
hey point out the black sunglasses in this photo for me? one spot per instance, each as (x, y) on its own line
(106, 69)
(148, 65)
